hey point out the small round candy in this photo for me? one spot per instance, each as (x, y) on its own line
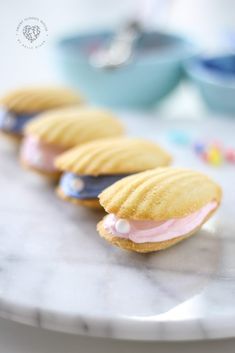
(230, 155)
(9, 122)
(179, 137)
(122, 226)
(38, 159)
(204, 156)
(214, 156)
(76, 184)
(199, 147)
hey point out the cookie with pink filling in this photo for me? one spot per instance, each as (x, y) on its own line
(154, 210)
(54, 132)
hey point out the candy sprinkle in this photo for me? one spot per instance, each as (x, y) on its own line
(179, 137)
(199, 147)
(230, 155)
(214, 156)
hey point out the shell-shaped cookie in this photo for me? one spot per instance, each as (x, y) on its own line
(37, 99)
(113, 156)
(69, 127)
(160, 194)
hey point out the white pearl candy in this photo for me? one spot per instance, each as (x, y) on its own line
(76, 184)
(37, 159)
(9, 122)
(122, 226)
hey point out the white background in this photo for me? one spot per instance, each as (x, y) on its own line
(205, 20)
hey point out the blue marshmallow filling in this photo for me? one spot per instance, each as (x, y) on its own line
(85, 186)
(12, 122)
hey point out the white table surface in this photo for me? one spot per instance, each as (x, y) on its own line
(57, 273)
(22, 338)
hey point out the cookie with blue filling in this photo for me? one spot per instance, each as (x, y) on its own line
(20, 106)
(92, 167)
(54, 132)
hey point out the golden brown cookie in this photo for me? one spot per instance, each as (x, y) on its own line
(156, 209)
(120, 155)
(54, 132)
(20, 106)
(160, 194)
(69, 127)
(37, 99)
(90, 168)
(10, 136)
(92, 203)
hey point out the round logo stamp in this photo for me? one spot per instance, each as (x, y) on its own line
(31, 32)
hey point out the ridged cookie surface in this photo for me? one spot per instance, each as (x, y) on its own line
(113, 156)
(69, 127)
(36, 99)
(160, 194)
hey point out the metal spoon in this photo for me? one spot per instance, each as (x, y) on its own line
(121, 48)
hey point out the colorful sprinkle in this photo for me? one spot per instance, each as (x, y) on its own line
(230, 155)
(179, 137)
(199, 147)
(214, 156)
(212, 152)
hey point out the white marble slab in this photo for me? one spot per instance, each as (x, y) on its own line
(56, 273)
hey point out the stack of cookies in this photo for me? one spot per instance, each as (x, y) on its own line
(150, 206)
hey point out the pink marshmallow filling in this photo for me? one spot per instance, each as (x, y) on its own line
(39, 154)
(156, 231)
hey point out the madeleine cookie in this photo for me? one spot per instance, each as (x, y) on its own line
(20, 106)
(92, 167)
(156, 209)
(56, 131)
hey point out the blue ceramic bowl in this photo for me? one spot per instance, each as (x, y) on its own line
(215, 78)
(152, 74)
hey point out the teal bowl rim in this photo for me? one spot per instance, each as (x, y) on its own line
(185, 49)
(196, 71)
